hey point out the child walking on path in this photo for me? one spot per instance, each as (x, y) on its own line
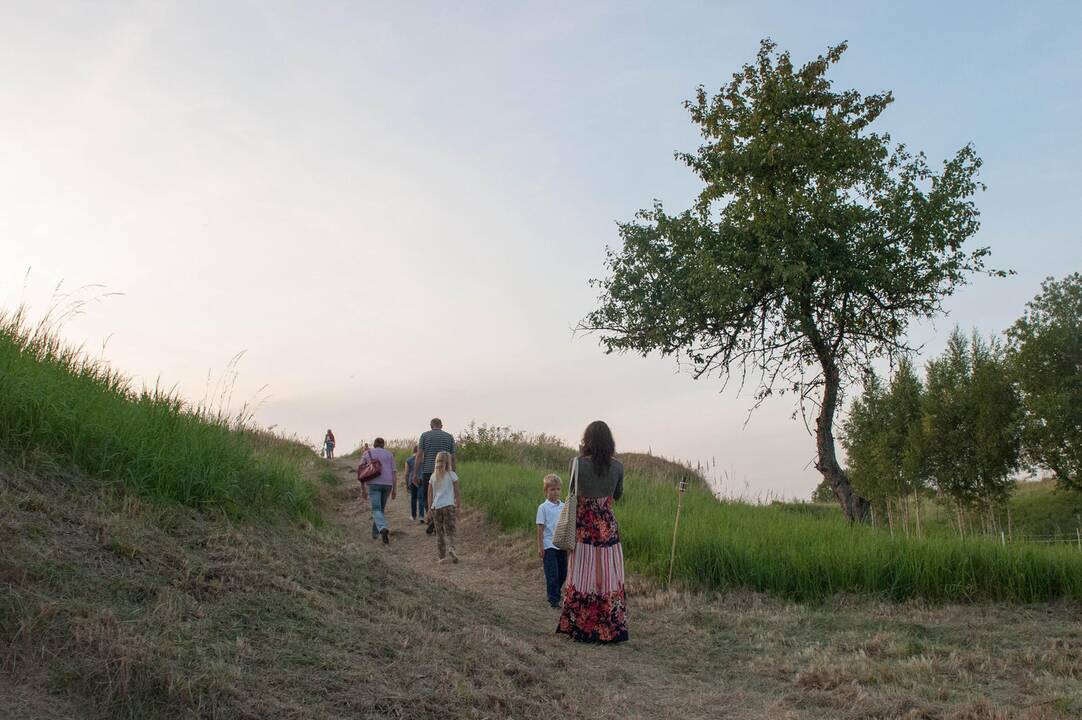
(553, 559)
(442, 506)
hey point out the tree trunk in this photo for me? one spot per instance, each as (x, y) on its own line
(853, 505)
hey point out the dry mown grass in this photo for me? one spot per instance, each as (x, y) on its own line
(110, 607)
(132, 610)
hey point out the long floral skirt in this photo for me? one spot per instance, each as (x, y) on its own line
(595, 607)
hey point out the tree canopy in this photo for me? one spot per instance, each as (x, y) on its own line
(970, 421)
(811, 247)
(1046, 351)
(882, 437)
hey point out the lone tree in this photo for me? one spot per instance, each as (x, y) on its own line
(812, 246)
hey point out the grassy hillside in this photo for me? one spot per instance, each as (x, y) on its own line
(1036, 511)
(1042, 508)
(727, 545)
(115, 608)
(153, 567)
(63, 414)
(111, 607)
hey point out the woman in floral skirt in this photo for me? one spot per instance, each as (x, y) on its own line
(594, 604)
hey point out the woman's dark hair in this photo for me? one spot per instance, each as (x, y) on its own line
(597, 442)
(379, 442)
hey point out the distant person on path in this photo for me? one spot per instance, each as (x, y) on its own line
(381, 489)
(444, 505)
(413, 482)
(595, 606)
(432, 442)
(328, 445)
(553, 559)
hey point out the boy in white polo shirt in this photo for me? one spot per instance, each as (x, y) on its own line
(553, 559)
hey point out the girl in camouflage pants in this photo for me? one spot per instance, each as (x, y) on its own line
(443, 504)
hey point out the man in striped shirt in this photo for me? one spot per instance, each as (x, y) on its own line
(431, 442)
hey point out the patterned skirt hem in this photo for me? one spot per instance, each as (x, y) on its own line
(594, 617)
(579, 636)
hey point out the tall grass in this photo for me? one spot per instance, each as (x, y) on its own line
(728, 545)
(61, 410)
(495, 443)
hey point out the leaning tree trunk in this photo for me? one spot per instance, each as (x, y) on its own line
(853, 505)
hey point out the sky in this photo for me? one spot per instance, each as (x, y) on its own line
(392, 211)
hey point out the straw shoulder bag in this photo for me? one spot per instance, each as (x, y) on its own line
(563, 536)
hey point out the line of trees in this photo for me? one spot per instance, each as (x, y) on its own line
(985, 409)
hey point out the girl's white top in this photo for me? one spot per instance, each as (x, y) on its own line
(444, 490)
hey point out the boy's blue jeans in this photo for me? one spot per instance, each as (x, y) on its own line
(377, 496)
(555, 563)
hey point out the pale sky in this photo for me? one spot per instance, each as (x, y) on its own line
(393, 208)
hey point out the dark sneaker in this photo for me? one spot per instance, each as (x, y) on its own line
(430, 529)
(383, 534)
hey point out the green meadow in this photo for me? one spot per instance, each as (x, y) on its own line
(772, 549)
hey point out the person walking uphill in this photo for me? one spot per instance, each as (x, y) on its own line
(328, 445)
(432, 441)
(381, 488)
(413, 482)
(444, 505)
(595, 605)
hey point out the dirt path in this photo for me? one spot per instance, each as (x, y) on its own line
(487, 559)
(644, 678)
(746, 655)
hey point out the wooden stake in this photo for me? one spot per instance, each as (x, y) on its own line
(676, 525)
(916, 504)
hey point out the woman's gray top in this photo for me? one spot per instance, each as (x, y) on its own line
(589, 484)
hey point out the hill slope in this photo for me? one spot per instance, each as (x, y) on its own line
(113, 607)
